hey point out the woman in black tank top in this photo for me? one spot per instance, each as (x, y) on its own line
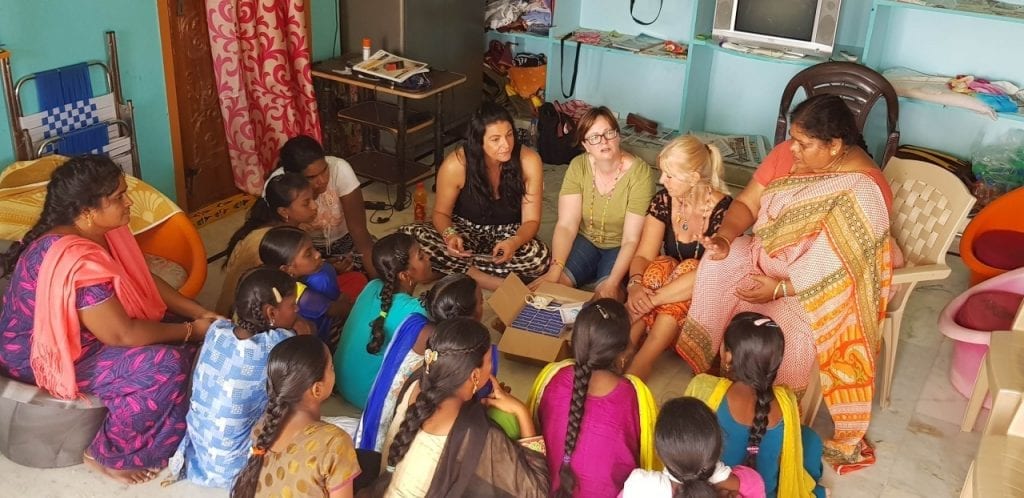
(487, 207)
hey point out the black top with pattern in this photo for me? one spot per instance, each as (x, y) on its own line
(661, 208)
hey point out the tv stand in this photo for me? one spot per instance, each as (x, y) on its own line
(767, 52)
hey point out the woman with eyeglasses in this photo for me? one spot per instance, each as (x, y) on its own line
(487, 210)
(601, 210)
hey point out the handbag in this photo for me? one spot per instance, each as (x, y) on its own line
(556, 136)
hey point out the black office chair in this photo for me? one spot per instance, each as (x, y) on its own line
(860, 86)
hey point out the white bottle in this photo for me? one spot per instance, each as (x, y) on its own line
(366, 49)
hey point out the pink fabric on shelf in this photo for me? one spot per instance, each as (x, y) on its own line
(261, 61)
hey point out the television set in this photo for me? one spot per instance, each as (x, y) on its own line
(800, 26)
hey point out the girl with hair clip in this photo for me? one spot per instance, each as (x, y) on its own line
(293, 452)
(488, 205)
(689, 442)
(287, 200)
(339, 230)
(453, 296)
(598, 423)
(689, 207)
(601, 207)
(761, 423)
(441, 442)
(229, 380)
(378, 312)
(291, 250)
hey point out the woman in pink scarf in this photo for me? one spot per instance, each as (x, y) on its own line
(82, 314)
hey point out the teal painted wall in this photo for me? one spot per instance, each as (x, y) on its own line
(44, 34)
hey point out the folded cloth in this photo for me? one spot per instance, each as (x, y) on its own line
(23, 190)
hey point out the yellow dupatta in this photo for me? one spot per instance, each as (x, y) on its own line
(648, 409)
(793, 478)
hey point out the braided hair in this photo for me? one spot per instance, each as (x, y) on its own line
(255, 291)
(390, 259)
(600, 335)
(293, 366)
(79, 184)
(452, 296)
(281, 192)
(689, 441)
(461, 344)
(756, 344)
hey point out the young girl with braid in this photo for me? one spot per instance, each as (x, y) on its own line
(441, 442)
(228, 393)
(598, 424)
(378, 312)
(293, 452)
(761, 423)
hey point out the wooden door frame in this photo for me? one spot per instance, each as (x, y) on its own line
(177, 151)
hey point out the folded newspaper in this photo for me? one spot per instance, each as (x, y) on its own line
(391, 67)
(746, 150)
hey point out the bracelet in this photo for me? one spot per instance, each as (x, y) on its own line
(728, 244)
(634, 280)
(775, 293)
(189, 327)
(448, 232)
(785, 290)
(555, 261)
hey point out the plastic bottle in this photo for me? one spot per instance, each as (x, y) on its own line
(419, 201)
(366, 49)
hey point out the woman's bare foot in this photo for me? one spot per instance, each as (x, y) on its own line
(132, 476)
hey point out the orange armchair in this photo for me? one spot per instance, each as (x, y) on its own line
(177, 240)
(1004, 213)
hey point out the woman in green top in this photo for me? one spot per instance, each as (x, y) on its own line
(379, 310)
(601, 210)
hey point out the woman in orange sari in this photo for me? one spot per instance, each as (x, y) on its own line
(818, 263)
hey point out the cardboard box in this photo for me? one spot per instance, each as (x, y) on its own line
(509, 299)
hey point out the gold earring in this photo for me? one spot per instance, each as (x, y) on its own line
(474, 386)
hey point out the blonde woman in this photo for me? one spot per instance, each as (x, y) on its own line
(690, 206)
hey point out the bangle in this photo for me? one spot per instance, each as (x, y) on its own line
(555, 261)
(189, 327)
(728, 244)
(785, 290)
(448, 232)
(634, 280)
(775, 293)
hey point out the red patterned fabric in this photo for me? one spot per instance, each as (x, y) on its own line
(261, 61)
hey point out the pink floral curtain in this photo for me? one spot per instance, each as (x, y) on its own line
(261, 59)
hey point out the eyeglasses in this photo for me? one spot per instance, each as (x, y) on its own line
(596, 138)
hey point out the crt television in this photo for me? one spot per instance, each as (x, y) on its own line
(803, 26)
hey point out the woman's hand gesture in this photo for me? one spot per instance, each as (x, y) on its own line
(640, 300)
(456, 246)
(716, 247)
(502, 400)
(504, 250)
(761, 292)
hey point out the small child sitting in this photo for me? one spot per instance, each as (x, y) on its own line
(228, 383)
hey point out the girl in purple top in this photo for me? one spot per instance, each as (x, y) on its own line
(589, 414)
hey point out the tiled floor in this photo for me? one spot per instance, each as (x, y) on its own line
(920, 449)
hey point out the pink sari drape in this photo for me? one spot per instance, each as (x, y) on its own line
(261, 60)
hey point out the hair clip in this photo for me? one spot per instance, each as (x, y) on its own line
(765, 322)
(429, 356)
(277, 295)
(753, 450)
(604, 314)
(254, 451)
(383, 314)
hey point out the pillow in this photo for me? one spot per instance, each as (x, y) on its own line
(1003, 249)
(989, 310)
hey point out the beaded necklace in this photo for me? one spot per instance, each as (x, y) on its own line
(683, 222)
(607, 198)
